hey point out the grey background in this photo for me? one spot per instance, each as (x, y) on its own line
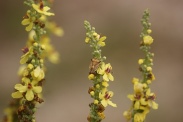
(66, 86)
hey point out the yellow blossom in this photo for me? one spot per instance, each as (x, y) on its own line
(138, 87)
(26, 56)
(127, 115)
(42, 10)
(101, 42)
(28, 20)
(149, 31)
(149, 69)
(105, 70)
(87, 40)
(38, 74)
(51, 26)
(139, 117)
(91, 76)
(92, 93)
(151, 98)
(148, 40)
(140, 61)
(30, 89)
(105, 84)
(96, 102)
(105, 97)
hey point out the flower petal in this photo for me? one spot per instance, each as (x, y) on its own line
(29, 27)
(29, 95)
(105, 77)
(110, 77)
(37, 89)
(37, 71)
(25, 22)
(20, 88)
(104, 103)
(111, 103)
(17, 94)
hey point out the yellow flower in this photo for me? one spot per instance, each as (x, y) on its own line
(87, 40)
(101, 42)
(38, 74)
(149, 31)
(147, 40)
(151, 97)
(30, 89)
(105, 97)
(105, 70)
(138, 87)
(28, 20)
(105, 84)
(91, 76)
(140, 61)
(139, 117)
(127, 115)
(42, 10)
(54, 28)
(26, 56)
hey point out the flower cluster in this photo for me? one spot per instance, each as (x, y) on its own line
(100, 74)
(32, 71)
(142, 98)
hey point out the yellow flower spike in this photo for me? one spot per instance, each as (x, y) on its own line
(91, 76)
(148, 40)
(42, 10)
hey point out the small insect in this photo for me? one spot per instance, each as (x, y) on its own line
(95, 63)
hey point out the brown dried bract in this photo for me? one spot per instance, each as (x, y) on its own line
(95, 63)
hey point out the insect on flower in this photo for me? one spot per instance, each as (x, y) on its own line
(95, 63)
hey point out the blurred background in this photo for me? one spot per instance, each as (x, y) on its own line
(66, 86)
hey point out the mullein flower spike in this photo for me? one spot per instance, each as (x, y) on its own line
(32, 70)
(100, 73)
(142, 98)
